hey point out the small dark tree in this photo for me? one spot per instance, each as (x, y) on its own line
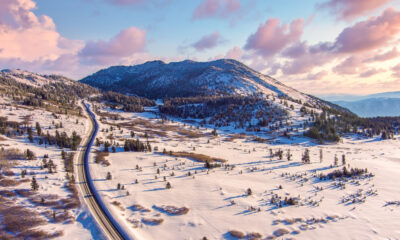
(168, 186)
(343, 159)
(306, 156)
(34, 184)
(109, 177)
(249, 192)
(38, 129)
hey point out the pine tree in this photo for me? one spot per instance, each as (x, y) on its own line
(34, 184)
(336, 160)
(249, 192)
(343, 159)
(168, 185)
(306, 156)
(289, 155)
(38, 129)
(109, 177)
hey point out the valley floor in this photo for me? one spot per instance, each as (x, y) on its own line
(213, 203)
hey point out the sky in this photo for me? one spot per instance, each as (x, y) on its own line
(319, 47)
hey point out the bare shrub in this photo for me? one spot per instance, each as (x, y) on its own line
(140, 208)
(254, 235)
(8, 157)
(8, 173)
(100, 157)
(237, 234)
(152, 221)
(281, 231)
(196, 156)
(24, 192)
(172, 210)
(7, 193)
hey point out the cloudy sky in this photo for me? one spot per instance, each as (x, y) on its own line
(316, 46)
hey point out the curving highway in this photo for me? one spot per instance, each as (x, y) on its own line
(99, 211)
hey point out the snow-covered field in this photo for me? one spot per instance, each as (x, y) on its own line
(57, 212)
(218, 199)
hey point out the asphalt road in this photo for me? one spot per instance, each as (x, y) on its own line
(110, 228)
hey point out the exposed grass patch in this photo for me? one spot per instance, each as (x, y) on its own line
(195, 156)
(190, 133)
(21, 222)
(7, 182)
(233, 137)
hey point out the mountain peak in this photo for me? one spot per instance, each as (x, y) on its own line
(156, 79)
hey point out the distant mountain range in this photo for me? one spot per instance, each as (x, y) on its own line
(373, 105)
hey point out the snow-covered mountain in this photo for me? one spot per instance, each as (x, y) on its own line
(157, 79)
(33, 79)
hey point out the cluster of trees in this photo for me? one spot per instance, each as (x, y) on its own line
(136, 146)
(61, 140)
(124, 102)
(68, 161)
(333, 122)
(249, 112)
(345, 173)
(9, 128)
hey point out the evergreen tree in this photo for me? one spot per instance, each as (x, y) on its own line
(306, 156)
(34, 184)
(38, 129)
(249, 192)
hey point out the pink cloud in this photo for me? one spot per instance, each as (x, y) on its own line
(305, 58)
(350, 9)
(317, 76)
(350, 65)
(357, 40)
(28, 37)
(207, 41)
(371, 72)
(216, 8)
(296, 50)
(124, 44)
(271, 37)
(384, 56)
(369, 34)
(234, 53)
(396, 71)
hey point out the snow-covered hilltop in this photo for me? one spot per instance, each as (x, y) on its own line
(33, 79)
(157, 79)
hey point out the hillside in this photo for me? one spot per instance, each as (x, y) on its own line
(157, 79)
